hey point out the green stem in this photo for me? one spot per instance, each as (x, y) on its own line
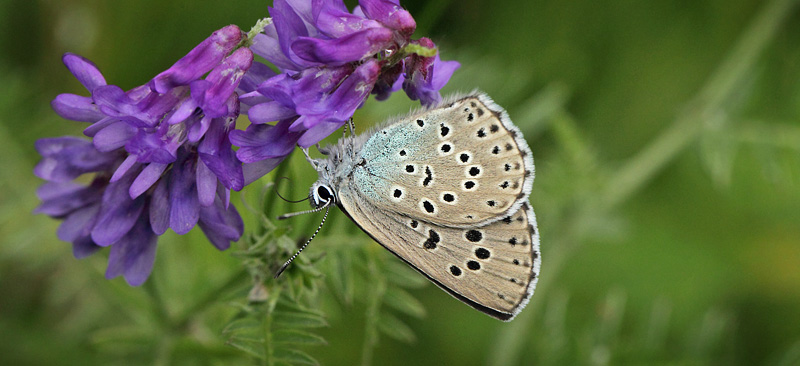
(211, 297)
(378, 289)
(255, 30)
(160, 305)
(709, 101)
(269, 358)
(778, 135)
(269, 311)
(270, 199)
(639, 169)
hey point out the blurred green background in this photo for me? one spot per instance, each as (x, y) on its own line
(666, 136)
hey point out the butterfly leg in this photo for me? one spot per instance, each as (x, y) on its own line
(314, 162)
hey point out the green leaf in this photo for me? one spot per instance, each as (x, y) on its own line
(297, 337)
(401, 274)
(284, 319)
(294, 357)
(395, 328)
(248, 337)
(243, 324)
(404, 302)
(253, 348)
(338, 276)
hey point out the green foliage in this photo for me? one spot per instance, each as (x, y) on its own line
(273, 324)
(666, 142)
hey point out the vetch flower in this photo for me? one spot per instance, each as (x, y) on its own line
(426, 75)
(159, 154)
(330, 60)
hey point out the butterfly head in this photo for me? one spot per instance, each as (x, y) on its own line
(321, 195)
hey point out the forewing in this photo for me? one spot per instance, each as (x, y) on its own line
(493, 268)
(461, 164)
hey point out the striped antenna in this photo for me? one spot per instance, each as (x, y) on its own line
(327, 208)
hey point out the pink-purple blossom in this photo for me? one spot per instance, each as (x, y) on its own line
(159, 155)
(330, 60)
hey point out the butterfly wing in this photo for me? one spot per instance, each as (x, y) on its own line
(493, 268)
(461, 164)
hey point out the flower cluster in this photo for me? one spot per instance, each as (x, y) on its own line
(330, 60)
(159, 154)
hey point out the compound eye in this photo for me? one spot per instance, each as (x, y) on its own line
(324, 193)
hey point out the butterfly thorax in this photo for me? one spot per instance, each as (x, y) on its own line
(337, 167)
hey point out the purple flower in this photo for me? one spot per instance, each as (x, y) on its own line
(160, 157)
(425, 76)
(330, 60)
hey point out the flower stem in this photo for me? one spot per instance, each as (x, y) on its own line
(626, 181)
(211, 297)
(709, 101)
(255, 30)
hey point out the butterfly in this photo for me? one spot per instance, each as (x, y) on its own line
(446, 190)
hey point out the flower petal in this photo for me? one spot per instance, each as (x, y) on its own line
(261, 142)
(199, 60)
(254, 171)
(224, 194)
(221, 225)
(255, 75)
(269, 112)
(66, 158)
(114, 102)
(149, 176)
(336, 22)
(133, 256)
(338, 51)
(76, 108)
(198, 128)
(61, 199)
(315, 134)
(353, 91)
(390, 14)
(84, 247)
(184, 204)
(118, 212)
(270, 49)
(78, 224)
(113, 136)
(123, 168)
(159, 207)
(206, 184)
(442, 71)
(94, 128)
(156, 147)
(224, 79)
(51, 190)
(216, 152)
(84, 70)
(288, 26)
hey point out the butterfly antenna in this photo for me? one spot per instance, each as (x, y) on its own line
(327, 208)
(293, 214)
(275, 188)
